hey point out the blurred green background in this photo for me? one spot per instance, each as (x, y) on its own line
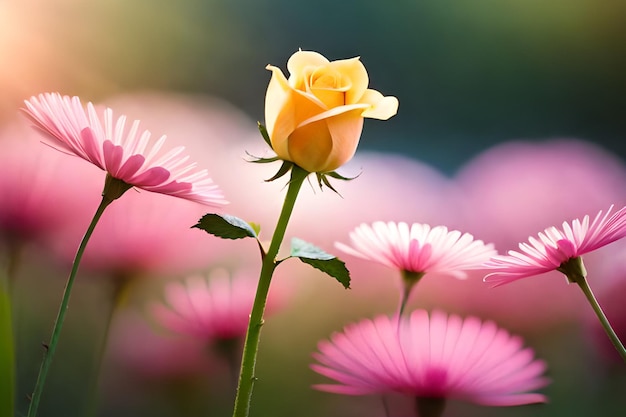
(468, 74)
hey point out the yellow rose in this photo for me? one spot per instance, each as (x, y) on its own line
(315, 117)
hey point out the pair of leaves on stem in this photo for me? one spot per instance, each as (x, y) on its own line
(231, 227)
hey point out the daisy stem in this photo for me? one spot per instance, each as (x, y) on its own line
(58, 324)
(403, 300)
(582, 283)
(251, 345)
(409, 279)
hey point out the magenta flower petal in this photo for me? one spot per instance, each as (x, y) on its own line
(436, 356)
(418, 248)
(126, 154)
(172, 188)
(155, 176)
(554, 247)
(91, 148)
(113, 156)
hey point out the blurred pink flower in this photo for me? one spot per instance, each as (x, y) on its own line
(437, 357)
(135, 345)
(418, 248)
(142, 233)
(216, 308)
(39, 188)
(124, 154)
(406, 190)
(555, 247)
(515, 188)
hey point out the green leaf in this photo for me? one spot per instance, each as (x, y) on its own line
(225, 226)
(7, 357)
(333, 267)
(317, 258)
(256, 227)
(302, 248)
(266, 136)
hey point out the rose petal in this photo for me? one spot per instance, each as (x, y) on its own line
(382, 108)
(331, 113)
(278, 105)
(299, 62)
(311, 154)
(354, 69)
(345, 130)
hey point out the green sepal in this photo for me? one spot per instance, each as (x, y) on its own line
(266, 136)
(322, 179)
(338, 176)
(226, 226)
(317, 258)
(574, 269)
(259, 160)
(284, 168)
(114, 188)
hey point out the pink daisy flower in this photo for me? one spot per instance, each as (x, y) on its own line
(209, 309)
(555, 248)
(418, 248)
(562, 250)
(431, 358)
(125, 154)
(129, 158)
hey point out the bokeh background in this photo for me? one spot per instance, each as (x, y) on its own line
(511, 119)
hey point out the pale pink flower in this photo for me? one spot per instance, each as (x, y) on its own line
(136, 347)
(217, 307)
(142, 233)
(436, 357)
(554, 247)
(38, 196)
(517, 188)
(126, 154)
(418, 248)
